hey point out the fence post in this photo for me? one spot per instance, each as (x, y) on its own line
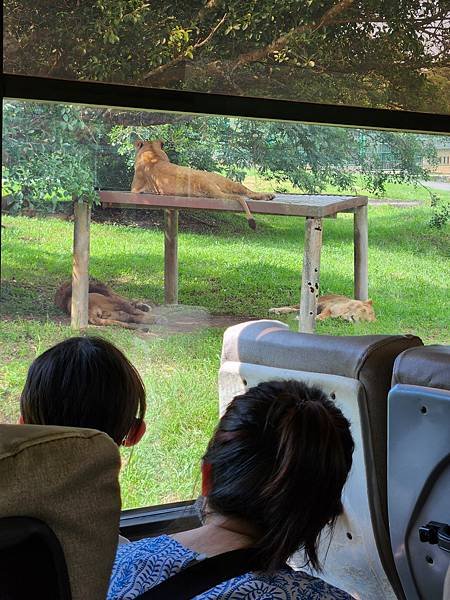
(310, 275)
(361, 251)
(80, 266)
(171, 256)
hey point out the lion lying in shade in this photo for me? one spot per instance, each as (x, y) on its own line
(106, 307)
(153, 172)
(335, 306)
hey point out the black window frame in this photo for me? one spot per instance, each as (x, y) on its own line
(28, 87)
(175, 516)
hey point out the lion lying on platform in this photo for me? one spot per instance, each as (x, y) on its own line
(335, 306)
(153, 172)
(106, 307)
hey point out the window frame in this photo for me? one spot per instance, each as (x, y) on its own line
(149, 521)
(27, 87)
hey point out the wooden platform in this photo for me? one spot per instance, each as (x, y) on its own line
(314, 208)
(291, 205)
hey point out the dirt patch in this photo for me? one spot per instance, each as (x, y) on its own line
(176, 319)
(171, 320)
(189, 221)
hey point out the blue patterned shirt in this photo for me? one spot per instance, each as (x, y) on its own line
(141, 565)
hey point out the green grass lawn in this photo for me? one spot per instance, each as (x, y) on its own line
(228, 269)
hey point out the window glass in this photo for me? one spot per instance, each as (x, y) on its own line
(56, 153)
(374, 54)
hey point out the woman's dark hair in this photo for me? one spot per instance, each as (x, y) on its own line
(84, 382)
(279, 459)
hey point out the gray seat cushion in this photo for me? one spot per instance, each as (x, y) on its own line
(428, 366)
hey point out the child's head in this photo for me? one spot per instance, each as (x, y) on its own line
(86, 382)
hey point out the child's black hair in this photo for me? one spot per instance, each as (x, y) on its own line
(84, 382)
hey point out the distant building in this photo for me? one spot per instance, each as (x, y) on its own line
(443, 161)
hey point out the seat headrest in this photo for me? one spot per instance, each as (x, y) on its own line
(271, 343)
(427, 366)
(67, 478)
(16, 438)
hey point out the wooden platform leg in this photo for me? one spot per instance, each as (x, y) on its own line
(80, 265)
(310, 275)
(361, 248)
(171, 256)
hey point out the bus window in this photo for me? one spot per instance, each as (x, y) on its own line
(55, 153)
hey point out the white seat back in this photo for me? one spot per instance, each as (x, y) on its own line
(356, 373)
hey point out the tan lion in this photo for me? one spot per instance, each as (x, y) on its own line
(153, 172)
(106, 307)
(335, 306)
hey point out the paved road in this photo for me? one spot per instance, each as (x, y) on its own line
(437, 185)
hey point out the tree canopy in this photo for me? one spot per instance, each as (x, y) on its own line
(375, 53)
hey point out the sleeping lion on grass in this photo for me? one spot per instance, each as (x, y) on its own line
(154, 173)
(335, 306)
(106, 307)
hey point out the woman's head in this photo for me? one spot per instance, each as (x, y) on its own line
(86, 382)
(279, 459)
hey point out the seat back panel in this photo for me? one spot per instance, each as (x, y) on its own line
(366, 361)
(418, 484)
(353, 542)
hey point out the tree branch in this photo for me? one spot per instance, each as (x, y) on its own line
(327, 19)
(182, 57)
(211, 33)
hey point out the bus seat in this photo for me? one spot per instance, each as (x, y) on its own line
(66, 478)
(356, 372)
(419, 470)
(29, 546)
